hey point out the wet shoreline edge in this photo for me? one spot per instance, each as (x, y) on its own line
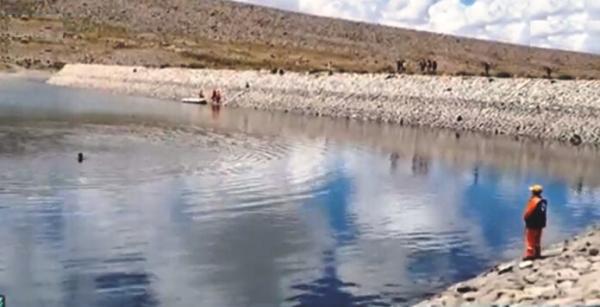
(542, 109)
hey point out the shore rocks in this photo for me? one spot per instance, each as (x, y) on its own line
(565, 111)
(565, 276)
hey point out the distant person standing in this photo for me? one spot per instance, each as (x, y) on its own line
(535, 222)
(216, 100)
(216, 97)
(215, 103)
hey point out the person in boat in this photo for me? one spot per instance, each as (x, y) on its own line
(535, 222)
(201, 95)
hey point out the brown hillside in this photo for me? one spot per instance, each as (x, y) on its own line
(223, 34)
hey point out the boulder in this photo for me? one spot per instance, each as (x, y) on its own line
(525, 264)
(505, 268)
(545, 292)
(581, 264)
(566, 274)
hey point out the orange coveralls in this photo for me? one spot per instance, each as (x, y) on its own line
(533, 236)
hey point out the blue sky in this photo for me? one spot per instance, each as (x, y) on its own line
(562, 24)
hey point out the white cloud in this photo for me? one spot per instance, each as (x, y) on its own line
(562, 24)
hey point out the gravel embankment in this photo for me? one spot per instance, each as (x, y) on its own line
(538, 108)
(569, 275)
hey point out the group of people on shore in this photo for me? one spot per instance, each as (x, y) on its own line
(215, 99)
(428, 66)
(425, 66)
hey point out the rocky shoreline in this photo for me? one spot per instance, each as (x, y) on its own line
(568, 275)
(538, 108)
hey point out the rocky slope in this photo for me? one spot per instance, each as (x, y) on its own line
(569, 275)
(536, 108)
(224, 34)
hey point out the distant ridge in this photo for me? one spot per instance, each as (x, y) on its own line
(215, 33)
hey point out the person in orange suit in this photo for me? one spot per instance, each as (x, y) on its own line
(535, 222)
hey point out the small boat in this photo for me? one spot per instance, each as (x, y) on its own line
(194, 100)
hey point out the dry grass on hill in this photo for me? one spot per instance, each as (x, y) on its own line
(224, 34)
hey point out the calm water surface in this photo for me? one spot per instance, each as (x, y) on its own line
(177, 207)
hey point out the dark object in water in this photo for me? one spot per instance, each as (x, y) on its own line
(80, 157)
(576, 140)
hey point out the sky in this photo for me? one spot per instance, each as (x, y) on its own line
(559, 24)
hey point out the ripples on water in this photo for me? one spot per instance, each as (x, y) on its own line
(173, 208)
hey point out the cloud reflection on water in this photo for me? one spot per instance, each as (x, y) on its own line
(163, 216)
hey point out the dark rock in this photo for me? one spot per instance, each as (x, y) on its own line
(465, 289)
(459, 118)
(593, 252)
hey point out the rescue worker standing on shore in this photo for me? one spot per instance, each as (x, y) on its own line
(535, 222)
